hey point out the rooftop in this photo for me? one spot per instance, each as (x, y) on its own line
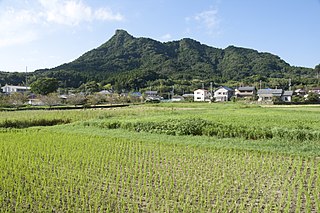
(246, 88)
(270, 91)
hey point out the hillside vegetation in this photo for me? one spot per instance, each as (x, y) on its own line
(131, 63)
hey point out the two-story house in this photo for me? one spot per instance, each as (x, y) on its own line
(201, 95)
(223, 93)
(269, 94)
(245, 92)
(274, 94)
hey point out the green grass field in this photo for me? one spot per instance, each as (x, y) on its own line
(176, 157)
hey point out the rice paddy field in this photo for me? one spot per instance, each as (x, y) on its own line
(178, 157)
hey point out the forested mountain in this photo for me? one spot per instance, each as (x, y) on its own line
(130, 63)
(14, 78)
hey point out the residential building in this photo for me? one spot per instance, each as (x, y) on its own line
(151, 93)
(245, 92)
(9, 89)
(287, 96)
(136, 94)
(269, 94)
(223, 93)
(300, 92)
(106, 92)
(152, 96)
(315, 90)
(201, 95)
(177, 98)
(188, 95)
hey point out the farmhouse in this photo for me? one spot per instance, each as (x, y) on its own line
(152, 96)
(287, 96)
(245, 92)
(223, 93)
(188, 95)
(274, 94)
(9, 89)
(177, 98)
(201, 95)
(136, 94)
(151, 93)
(315, 90)
(106, 92)
(300, 92)
(269, 94)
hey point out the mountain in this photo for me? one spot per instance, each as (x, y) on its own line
(129, 63)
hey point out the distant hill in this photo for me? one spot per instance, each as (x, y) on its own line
(129, 63)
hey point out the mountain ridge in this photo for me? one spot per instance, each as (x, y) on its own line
(124, 57)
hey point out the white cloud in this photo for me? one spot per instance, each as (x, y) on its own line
(27, 23)
(16, 27)
(208, 20)
(106, 14)
(74, 12)
(65, 12)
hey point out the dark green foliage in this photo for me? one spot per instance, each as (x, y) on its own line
(13, 78)
(196, 126)
(130, 63)
(45, 86)
(313, 97)
(19, 124)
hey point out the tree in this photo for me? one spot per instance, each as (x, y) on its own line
(95, 99)
(107, 86)
(313, 97)
(90, 87)
(297, 98)
(45, 86)
(77, 99)
(317, 70)
(17, 99)
(51, 99)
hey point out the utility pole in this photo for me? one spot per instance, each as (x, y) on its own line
(211, 89)
(172, 92)
(26, 78)
(260, 84)
(317, 69)
(289, 83)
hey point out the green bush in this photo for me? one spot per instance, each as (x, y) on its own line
(197, 126)
(19, 124)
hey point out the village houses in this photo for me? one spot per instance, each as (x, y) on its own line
(9, 89)
(224, 93)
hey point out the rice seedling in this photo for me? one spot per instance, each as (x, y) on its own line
(161, 160)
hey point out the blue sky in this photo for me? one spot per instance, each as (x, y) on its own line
(46, 33)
